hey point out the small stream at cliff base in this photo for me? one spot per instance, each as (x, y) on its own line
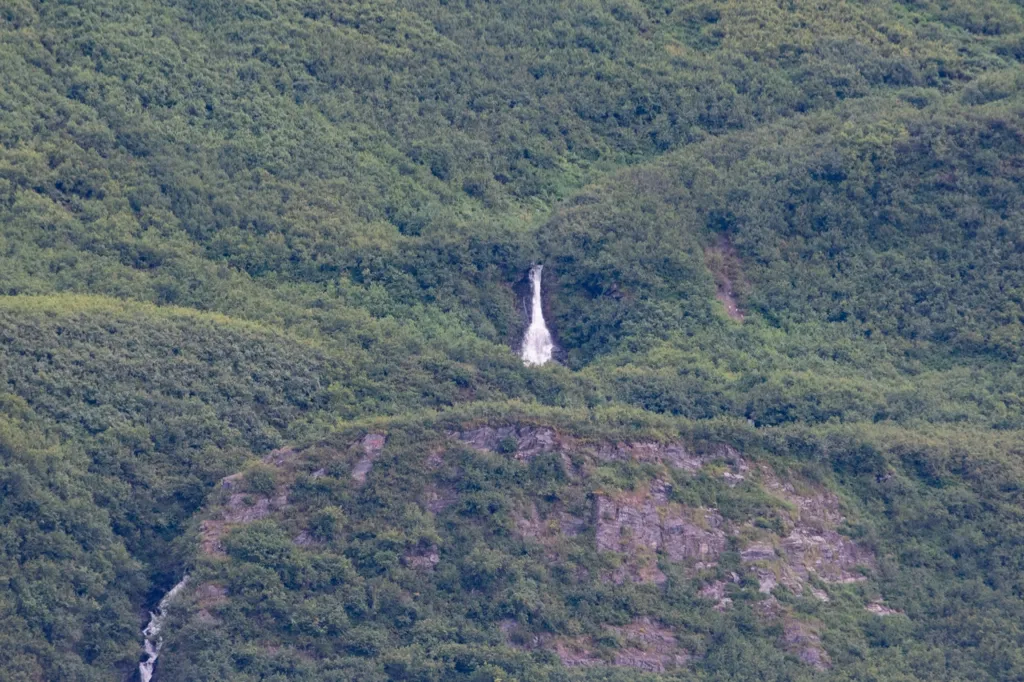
(154, 641)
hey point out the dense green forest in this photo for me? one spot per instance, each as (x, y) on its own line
(239, 238)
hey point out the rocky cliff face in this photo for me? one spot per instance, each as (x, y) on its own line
(643, 526)
(647, 522)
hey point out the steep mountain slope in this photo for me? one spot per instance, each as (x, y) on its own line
(71, 589)
(786, 231)
(526, 552)
(896, 218)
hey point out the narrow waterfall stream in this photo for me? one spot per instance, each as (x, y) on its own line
(537, 344)
(152, 632)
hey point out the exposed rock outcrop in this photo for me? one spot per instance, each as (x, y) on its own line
(813, 546)
(650, 646)
(558, 524)
(372, 446)
(422, 558)
(758, 551)
(281, 456)
(802, 640)
(715, 591)
(526, 442)
(820, 595)
(304, 539)
(880, 609)
(675, 455)
(575, 652)
(245, 508)
(523, 442)
(647, 645)
(826, 554)
(240, 508)
(800, 637)
(642, 526)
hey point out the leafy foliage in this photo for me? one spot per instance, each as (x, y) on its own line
(358, 604)
(230, 226)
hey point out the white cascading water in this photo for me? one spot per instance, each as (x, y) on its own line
(537, 344)
(152, 632)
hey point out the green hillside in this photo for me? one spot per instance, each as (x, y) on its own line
(487, 553)
(237, 238)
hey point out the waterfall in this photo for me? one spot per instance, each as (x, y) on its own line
(537, 344)
(152, 632)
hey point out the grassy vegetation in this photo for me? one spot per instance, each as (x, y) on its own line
(230, 226)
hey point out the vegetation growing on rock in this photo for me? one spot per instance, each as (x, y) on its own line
(258, 303)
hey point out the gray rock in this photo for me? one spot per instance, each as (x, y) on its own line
(529, 441)
(660, 490)
(281, 456)
(757, 551)
(232, 482)
(652, 646)
(683, 539)
(675, 455)
(372, 445)
(423, 558)
(245, 508)
(716, 592)
(820, 595)
(829, 555)
(641, 528)
(880, 609)
(800, 639)
(766, 582)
